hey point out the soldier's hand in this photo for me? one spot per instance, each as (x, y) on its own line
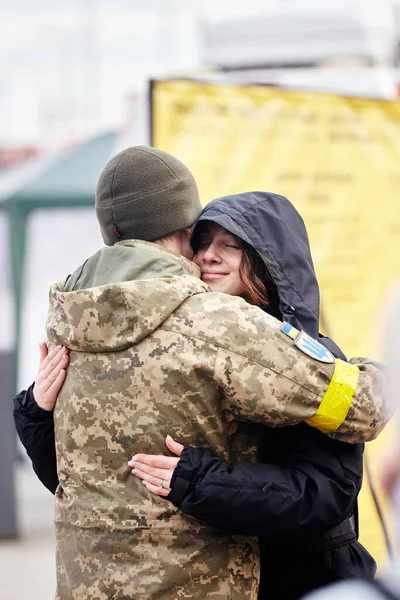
(50, 376)
(156, 470)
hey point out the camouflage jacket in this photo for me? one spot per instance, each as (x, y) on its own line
(153, 352)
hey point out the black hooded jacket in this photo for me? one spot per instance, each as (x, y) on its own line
(307, 483)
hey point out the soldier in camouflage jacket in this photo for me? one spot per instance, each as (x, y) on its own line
(151, 354)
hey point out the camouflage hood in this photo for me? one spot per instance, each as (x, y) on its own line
(120, 295)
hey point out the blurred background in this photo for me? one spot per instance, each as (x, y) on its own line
(298, 97)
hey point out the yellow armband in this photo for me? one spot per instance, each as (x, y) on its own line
(338, 398)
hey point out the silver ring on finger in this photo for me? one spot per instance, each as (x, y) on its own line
(160, 485)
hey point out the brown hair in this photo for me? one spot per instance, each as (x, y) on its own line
(254, 274)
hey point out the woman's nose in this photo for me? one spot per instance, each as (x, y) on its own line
(211, 254)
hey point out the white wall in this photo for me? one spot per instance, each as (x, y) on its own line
(57, 242)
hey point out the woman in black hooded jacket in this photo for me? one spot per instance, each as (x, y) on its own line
(301, 500)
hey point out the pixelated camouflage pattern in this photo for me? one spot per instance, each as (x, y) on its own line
(158, 356)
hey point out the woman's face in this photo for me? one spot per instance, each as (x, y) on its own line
(219, 255)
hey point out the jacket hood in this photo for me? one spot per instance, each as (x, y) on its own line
(119, 296)
(271, 225)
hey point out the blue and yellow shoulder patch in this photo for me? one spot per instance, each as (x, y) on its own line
(290, 331)
(308, 345)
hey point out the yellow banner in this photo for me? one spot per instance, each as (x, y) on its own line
(338, 160)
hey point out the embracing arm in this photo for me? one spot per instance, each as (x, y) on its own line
(275, 382)
(306, 497)
(35, 428)
(33, 415)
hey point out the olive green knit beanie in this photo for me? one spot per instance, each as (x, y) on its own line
(146, 194)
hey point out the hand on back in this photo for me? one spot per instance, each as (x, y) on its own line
(156, 470)
(50, 376)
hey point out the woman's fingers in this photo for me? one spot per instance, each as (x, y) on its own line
(56, 385)
(47, 357)
(50, 377)
(53, 362)
(162, 480)
(175, 447)
(156, 490)
(43, 352)
(153, 471)
(157, 461)
(156, 470)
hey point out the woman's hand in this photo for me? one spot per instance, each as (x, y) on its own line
(156, 470)
(51, 375)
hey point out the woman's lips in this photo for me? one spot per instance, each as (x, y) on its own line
(208, 276)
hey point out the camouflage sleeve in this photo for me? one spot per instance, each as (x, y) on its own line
(370, 409)
(296, 380)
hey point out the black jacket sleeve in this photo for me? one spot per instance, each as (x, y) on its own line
(313, 489)
(35, 428)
